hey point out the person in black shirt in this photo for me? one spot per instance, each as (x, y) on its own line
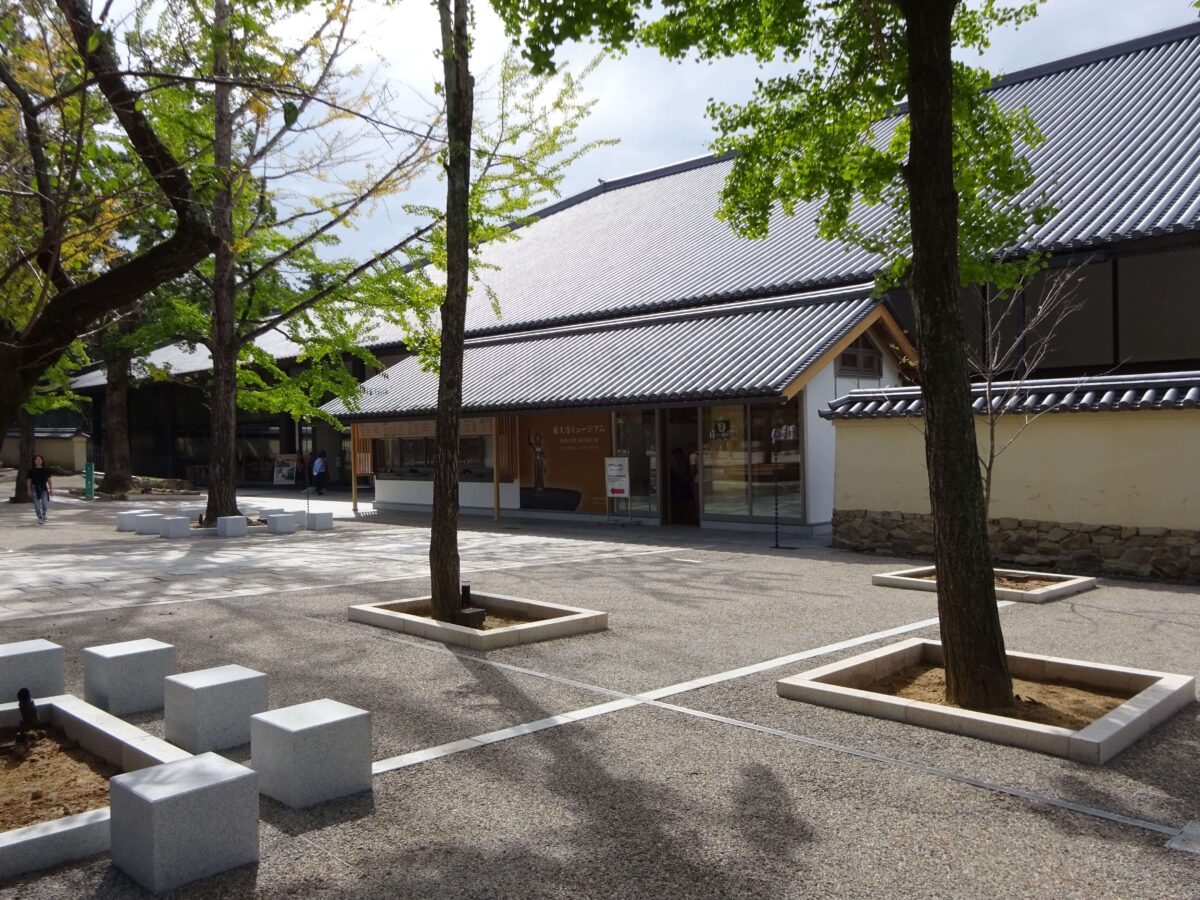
(41, 486)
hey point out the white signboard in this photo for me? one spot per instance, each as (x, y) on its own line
(285, 468)
(616, 477)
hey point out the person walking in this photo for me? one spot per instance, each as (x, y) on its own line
(320, 472)
(41, 486)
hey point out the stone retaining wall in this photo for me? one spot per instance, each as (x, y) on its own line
(1068, 547)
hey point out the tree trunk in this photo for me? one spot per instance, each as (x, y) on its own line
(26, 354)
(24, 458)
(118, 466)
(222, 470)
(976, 666)
(443, 541)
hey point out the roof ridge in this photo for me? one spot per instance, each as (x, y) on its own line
(854, 291)
(1029, 73)
(625, 181)
(1098, 54)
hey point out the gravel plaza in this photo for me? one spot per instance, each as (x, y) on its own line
(651, 760)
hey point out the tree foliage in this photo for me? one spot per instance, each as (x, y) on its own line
(891, 143)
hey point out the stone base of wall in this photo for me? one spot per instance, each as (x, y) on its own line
(1067, 547)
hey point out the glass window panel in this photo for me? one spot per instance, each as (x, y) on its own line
(776, 461)
(412, 451)
(726, 462)
(635, 439)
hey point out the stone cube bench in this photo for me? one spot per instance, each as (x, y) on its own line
(127, 677)
(148, 523)
(175, 527)
(281, 523)
(176, 823)
(37, 665)
(231, 526)
(312, 752)
(320, 521)
(125, 518)
(210, 709)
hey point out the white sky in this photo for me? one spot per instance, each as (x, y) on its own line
(656, 108)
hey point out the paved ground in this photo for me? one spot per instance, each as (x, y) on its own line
(674, 770)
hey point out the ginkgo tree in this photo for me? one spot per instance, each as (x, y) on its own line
(874, 110)
(262, 93)
(81, 156)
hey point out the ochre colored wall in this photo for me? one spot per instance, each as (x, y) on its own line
(63, 453)
(1133, 468)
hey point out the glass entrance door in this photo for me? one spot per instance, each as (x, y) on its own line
(681, 466)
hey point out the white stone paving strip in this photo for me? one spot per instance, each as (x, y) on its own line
(755, 668)
(626, 700)
(492, 737)
(1186, 839)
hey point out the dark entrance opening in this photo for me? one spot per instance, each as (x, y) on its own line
(681, 466)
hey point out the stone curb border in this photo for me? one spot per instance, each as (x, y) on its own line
(45, 844)
(558, 621)
(1066, 584)
(1160, 695)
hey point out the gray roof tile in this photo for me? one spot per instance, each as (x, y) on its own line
(743, 350)
(1167, 390)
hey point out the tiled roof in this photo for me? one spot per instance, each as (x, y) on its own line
(181, 359)
(1169, 390)
(1119, 162)
(742, 350)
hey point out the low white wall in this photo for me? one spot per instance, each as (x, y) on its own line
(471, 494)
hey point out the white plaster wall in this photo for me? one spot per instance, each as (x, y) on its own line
(820, 437)
(819, 448)
(471, 494)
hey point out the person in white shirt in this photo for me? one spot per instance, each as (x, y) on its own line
(320, 472)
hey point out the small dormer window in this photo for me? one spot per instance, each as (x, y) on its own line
(861, 359)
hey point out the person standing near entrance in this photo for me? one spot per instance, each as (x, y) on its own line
(320, 472)
(41, 486)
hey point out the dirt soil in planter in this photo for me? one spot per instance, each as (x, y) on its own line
(1062, 703)
(50, 777)
(490, 621)
(1013, 582)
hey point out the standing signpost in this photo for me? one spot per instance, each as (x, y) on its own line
(89, 480)
(616, 482)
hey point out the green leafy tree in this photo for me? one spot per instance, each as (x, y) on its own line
(80, 155)
(260, 91)
(828, 139)
(497, 171)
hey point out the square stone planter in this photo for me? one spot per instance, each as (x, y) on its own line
(1064, 585)
(843, 684)
(125, 746)
(553, 620)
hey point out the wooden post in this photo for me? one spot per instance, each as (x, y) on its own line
(495, 469)
(354, 468)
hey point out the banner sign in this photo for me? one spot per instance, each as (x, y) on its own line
(422, 428)
(616, 476)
